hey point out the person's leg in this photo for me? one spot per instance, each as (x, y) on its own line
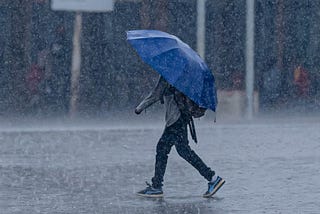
(184, 150)
(189, 155)
(163, 149)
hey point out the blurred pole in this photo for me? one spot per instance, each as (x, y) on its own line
(145, 14)
(161, 11)
(250, 57)
(280, 34)
(76, 64)
(201, 28)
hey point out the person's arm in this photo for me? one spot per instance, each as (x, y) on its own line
(155, 95)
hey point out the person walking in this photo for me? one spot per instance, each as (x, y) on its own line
(175, 134)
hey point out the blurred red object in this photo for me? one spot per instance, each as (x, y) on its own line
(34, 78)
(301, 80)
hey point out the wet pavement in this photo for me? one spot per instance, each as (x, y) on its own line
(269, 167)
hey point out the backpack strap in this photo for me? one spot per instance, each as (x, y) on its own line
(180, 100)
(192, 130)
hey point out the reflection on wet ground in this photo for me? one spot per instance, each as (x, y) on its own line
(269, 168)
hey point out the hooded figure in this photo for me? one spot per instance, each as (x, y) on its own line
(175, 134)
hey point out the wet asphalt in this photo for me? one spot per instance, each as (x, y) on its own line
(271, 167)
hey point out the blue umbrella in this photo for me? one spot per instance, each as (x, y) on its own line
(174, 60)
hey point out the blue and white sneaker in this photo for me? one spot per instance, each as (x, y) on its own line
(213, 187)
(151, 192)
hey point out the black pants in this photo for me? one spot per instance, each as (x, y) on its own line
(177, 134)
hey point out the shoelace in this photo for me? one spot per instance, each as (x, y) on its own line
(148, 184)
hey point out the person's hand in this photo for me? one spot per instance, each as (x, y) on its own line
(137, 111)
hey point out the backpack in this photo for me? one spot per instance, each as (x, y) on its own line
(188, 106)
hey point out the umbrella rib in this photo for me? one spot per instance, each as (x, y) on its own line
(156, 37)
(165, 52)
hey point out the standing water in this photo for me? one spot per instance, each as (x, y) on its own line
(269, 167)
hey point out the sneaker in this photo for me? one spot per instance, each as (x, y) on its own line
(213, 187)
(151, 192)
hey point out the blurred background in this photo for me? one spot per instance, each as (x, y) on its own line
(37, 45)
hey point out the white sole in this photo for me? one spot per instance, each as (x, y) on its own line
(150, 196)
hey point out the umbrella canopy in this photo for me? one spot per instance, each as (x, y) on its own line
(174, 60)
